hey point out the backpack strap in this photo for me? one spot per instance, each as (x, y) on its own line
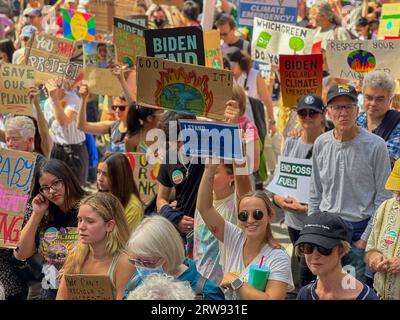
(199, 291)
(388, 124)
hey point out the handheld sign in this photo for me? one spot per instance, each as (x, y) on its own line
(211, 139)
(15, 81)
(98, 54)
(129, 41)
(300, 75)
(89, 287)
(292, 179)
(183, 87)
(352, 59)
(212, 48)
(389, 25)
(270, 39)
(272, 10)
(178, 44)
(16, 174)
(139, 19)
(145, 175)
(51, 56)
(78, 25)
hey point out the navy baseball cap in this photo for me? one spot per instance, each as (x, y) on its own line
(338, 90)
(311, 101)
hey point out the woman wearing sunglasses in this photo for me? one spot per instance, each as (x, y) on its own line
(51, 229)
(116, 129)
(323, 242)
(246, 243)
(103, 233)
(311, 115)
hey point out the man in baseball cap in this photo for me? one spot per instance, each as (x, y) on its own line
(26, 34)
(338, 90)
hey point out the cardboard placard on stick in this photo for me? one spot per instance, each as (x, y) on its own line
(15, 81)
(183, 87)
(16, 174)
(176, 3)
(178, 44)
(144, 174)
(89, 287)
(212, 48)
(270, 39)
(102, 82)
(353, 59)
(51, 56)
(300, 75)
(129, 41)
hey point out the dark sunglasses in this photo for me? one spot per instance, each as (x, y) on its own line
(308, 248)
(304, 113)
(244, 215)
(121, 108)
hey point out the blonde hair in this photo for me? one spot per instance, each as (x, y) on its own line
(108, 207)
(157, 237)
(239, 95)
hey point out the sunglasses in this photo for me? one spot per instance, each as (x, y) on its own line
(244, 215)
(310, 113)
(121, 108)
(308, 248)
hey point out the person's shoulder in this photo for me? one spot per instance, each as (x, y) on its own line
(371, 138)
(367, 294)
(323, 138)
(305, 292)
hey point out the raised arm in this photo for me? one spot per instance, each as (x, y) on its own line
(118, 71)
(55, 90)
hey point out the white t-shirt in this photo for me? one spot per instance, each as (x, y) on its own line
(277, 259)
(68, 134)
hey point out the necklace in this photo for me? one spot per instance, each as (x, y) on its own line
(187, 168)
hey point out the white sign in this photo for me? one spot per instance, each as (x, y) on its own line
(270, 39)
(292, 178)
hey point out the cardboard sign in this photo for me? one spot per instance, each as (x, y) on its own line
(102, 82)
(211, 139)
(183, 88)
(129, 41)
(270, 39)
(89, 287)
(176, 3)
(145, 175)
(51, 56)
(300, 75)
(140, 19)
(292, 178)
(78, 25)
(212, 48)
(352, 59)
(15, 81)
(178, 44)
(272, 10)
(98, 54)
(16, 174)
(389, 25)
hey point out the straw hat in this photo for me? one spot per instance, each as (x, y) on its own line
(393, 182)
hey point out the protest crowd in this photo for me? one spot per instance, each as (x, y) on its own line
(147, 148)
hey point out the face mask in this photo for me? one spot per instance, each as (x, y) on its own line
(144, 272)
(159, 22)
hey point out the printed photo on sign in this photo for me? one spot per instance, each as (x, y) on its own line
(98, 54)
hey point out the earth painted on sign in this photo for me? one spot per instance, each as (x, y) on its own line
(180, 97)
(296, 43)
(128, 61)
(361, 61)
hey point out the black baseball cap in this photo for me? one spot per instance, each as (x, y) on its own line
(233, 54)
(338, 90)
(323, 229)
(311, 101)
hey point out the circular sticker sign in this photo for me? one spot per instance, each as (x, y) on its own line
(390, 237)
(177, 176)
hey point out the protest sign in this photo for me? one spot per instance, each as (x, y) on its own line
(78, 25)
(15, 81)
(51, 56)
(178, 44)
(102, 82)
(270, 39)
(211, 139)
(89, 287)
(183, 88)
(300, 75)
(207, 18)
(16, 174)
(129, 41)
(98, 54)
(352, 59)
(271, 10)
(212, 48)
(140, 19)
(292, 178)
(144, 174)
(177, 3)
(389, 25)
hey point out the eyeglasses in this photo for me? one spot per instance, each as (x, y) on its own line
(145, 263)
(310, 113)
(308, 248)
(56, 185)
(121, 108)
(345, 107)
(244, 215)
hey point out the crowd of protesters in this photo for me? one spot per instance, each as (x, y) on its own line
(209, 223)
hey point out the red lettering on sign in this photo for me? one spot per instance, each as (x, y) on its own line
(9, 233)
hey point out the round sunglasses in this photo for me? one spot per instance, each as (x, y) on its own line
(244, 215)
(308, 248)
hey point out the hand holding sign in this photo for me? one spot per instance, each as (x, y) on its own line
(84, 91)
(33, 93)
(232, 112)
(54, 88)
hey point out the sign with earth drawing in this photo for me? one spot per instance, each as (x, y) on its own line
(353, 59)
(270, 39)
(183, 87)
